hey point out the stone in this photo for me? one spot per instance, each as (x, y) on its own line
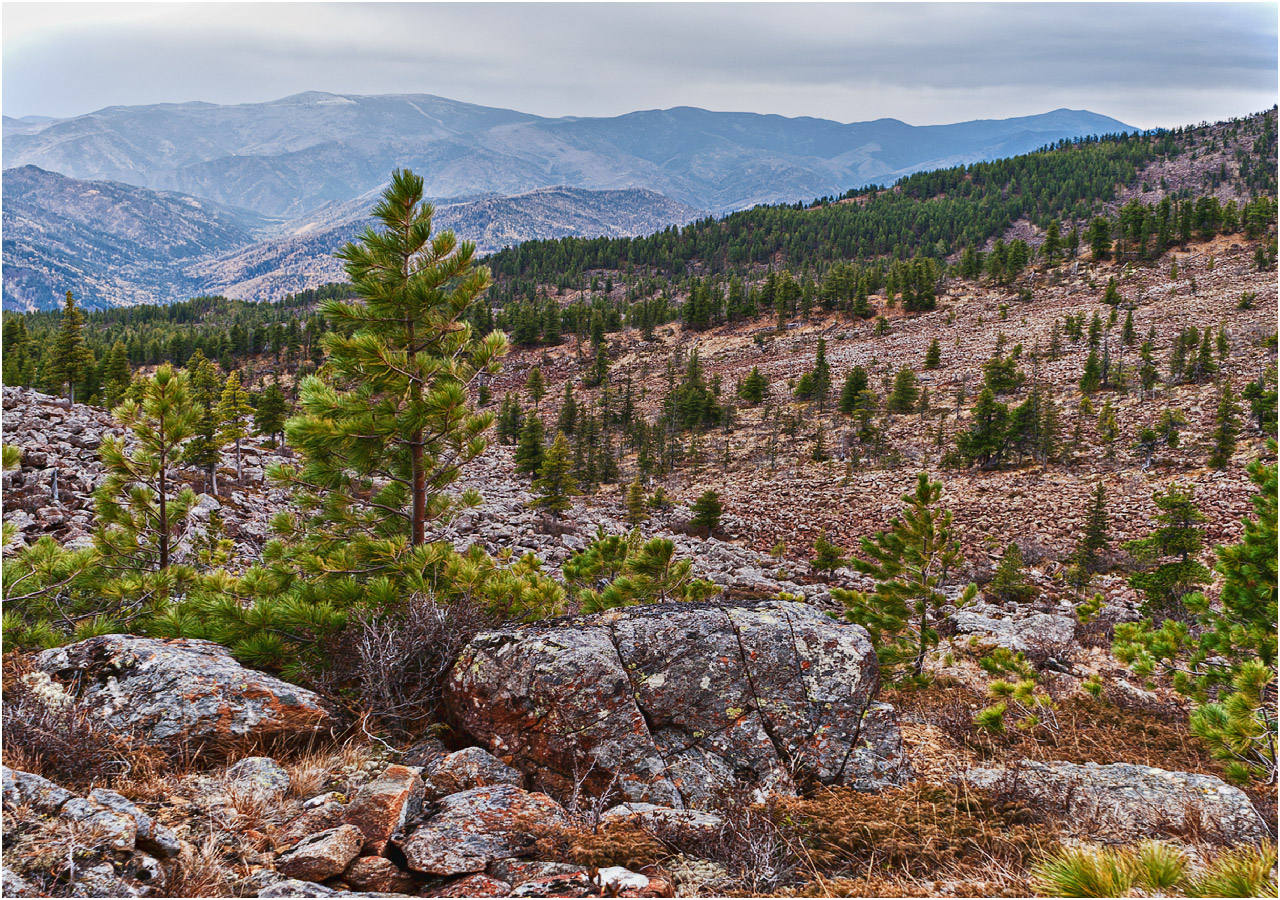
(469, 768)
(1126, 802)
(259, 776)
(27, 789)
(383, 806)
(477, 827)
(154, 837)
(671, 703)
(109, 828)
(569, 884)
(477, 885)
(322, 855)
(295, 887)
(102, 881)
(180, 692)
(14, 885)
(1038, 635)
(377, 873)
(651, 815)
(517, 871)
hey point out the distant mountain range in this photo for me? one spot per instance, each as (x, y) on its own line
(115, 244)
(281, 183)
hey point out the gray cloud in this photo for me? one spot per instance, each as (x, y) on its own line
(1146, 63)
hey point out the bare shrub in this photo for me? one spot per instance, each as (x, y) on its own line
(49, 732)
(393, 664)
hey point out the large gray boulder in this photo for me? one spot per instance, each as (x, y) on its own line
(180, 691)
(1125, 802)
(671, 703)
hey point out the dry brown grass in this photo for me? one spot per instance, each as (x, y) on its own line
(203, 870)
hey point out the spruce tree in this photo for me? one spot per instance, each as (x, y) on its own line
(535, 386)
(529, 449)
(855, 383)
(827, 557)
(71, 357)
(271, 412)
(985, 441)
(752, 389)
(707, 510)
(204, 450)
(1226, 427)
(116, 375)
(555, 483)
(1009, 584)
(637, 508)
(386, 429)
(233, 413)
(1096, 535)
(568, 418)
(508, 429)
(1169, 555)
(933, 356)
(906, 391)
(911, 563)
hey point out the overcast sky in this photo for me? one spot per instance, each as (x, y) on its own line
(1146, 64)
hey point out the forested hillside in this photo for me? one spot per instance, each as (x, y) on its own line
(917, 541)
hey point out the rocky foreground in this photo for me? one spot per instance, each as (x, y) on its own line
(604, 729)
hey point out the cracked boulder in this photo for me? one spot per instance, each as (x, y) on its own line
(180, 691)
(672, 703)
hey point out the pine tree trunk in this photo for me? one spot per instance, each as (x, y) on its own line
(164, 519)
(239, 470)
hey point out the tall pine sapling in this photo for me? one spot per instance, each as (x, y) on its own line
(911, 563)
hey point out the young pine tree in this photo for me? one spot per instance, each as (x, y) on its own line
(139, 515)
(385, 431)
(911, 563)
